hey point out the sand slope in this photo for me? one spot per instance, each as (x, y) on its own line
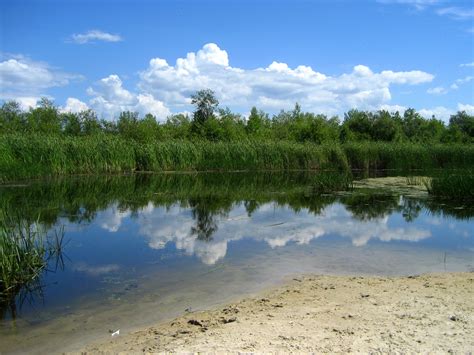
(429, 313)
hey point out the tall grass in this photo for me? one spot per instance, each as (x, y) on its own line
(408, 156)
(25, 251)
(457, 185)
(35, 156)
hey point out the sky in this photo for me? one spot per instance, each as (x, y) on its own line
(151, 56)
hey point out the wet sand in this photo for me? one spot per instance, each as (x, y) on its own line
(427, 313)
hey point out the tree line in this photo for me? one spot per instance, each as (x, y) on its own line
(211, 122)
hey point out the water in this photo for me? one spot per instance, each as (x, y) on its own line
(141, 249)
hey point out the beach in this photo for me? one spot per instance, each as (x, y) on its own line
(323, 313)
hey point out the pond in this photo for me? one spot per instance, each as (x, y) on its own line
(144, 248)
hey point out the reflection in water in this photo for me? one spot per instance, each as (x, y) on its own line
(201, 214)
(274, 225)
(162, 242)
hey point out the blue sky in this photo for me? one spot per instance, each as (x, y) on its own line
(149, 56)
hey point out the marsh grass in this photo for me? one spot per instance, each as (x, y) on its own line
(25, 253)
(457, 185)
(28, 156)
(327, 182)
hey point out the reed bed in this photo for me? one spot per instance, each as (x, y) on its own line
(457, 185)
(34, 156)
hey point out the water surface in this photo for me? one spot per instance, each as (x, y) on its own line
(144, 248)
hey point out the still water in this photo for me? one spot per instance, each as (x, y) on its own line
(141, 249)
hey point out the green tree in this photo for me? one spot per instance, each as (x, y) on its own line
(464, 122)
(177, 126)
(45, 118)
(206, 104)
(12, 118)
(90, 124)
(258, 123)
(71, 124)
(127, 124)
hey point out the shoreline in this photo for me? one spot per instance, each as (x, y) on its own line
(323, 313)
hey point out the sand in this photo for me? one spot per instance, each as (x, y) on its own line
(324, 314)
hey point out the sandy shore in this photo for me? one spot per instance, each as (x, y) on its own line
(428, 313)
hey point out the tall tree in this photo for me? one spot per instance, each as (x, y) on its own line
(206, 104)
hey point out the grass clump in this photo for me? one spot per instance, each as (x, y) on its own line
(453, 185)
(25, 252)
(327, 182)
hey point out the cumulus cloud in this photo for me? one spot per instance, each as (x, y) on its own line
(95, 36)
(466, 107)
(274, 87)
(393, 108)
(109, 98)
(74, 105)
(439, 112)
(25, 80)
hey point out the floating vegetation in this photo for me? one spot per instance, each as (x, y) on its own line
(25, 253)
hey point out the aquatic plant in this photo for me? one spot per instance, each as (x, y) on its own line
(27, 156)
(457, 185)
(327, 181)
(25, 252)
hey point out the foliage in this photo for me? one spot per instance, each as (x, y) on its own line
(213, 123)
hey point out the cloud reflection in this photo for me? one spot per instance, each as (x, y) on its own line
(275, 225)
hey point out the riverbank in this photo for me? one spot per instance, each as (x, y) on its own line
(428, 313)
(33, 156)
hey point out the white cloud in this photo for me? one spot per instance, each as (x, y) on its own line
(456, 13)
(440, 112)
(393, 108)
(109, 98)
(274, 87)
(74, 105)
(94, 36)
(444, 113)
(26, 102)
(467, 65)
(25, 80)
(439, 90)
(466, 107)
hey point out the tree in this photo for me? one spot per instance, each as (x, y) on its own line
(384, 127)
(45, 118)
(127, 124)
(464, 122)
(206, 104)
(89, 122)
(12, 117)
(257, 123)
(71, 124)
